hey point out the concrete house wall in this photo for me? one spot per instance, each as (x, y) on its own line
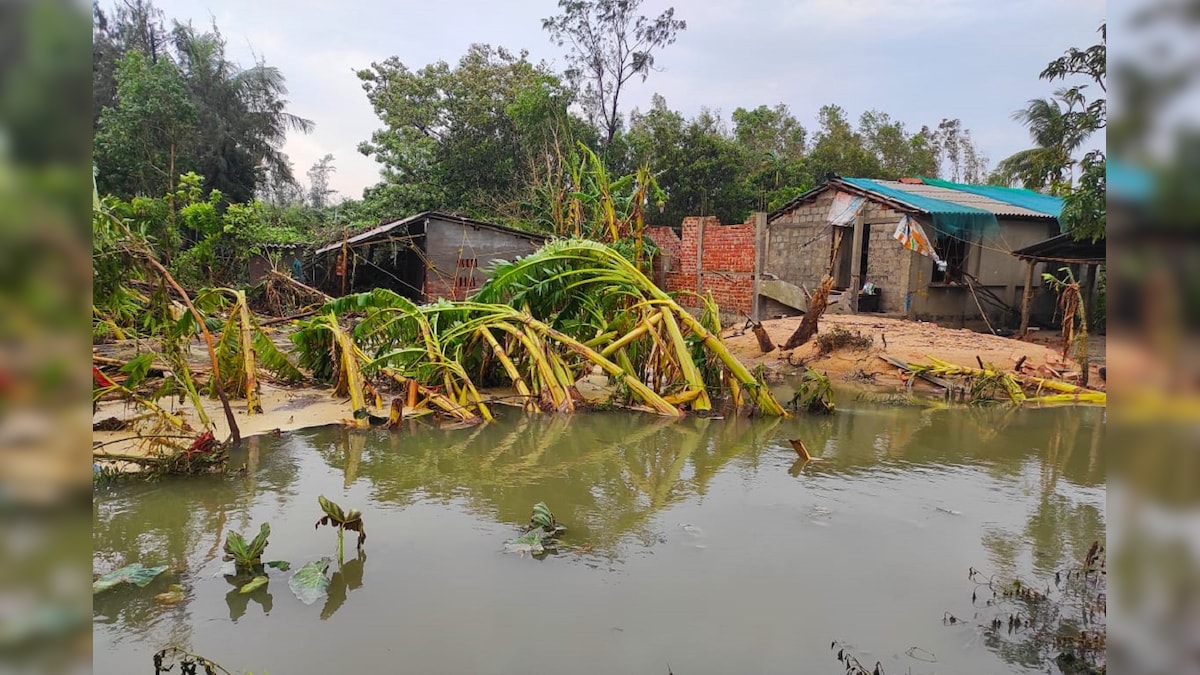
(458, 255)
(800, 244)
(423, 257)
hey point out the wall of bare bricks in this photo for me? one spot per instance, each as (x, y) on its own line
(727, 268)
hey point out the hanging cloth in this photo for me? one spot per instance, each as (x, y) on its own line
(845, 206)
(912, 236)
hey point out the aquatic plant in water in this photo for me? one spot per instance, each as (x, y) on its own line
(542, 534)
(342, 520)
(814, 394)
(246, 558)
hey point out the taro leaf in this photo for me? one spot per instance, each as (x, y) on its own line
(247, 555)
(134, 573)
(332, 511)
(253, 585)
(281, 565)
(172, 596)
(310, 582)
(235, 547)
(542, 517)
(530, 542)
(260, 542)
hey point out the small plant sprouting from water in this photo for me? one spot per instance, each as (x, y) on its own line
(542, 534)
(814, 394)
(342, 520)
(247, 558)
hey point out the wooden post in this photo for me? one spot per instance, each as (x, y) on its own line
(1026, 297)
(760, 232)
(700, 257)
(1089, 282)
(856, 259)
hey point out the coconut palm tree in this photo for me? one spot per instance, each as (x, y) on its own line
(1054, 126)
(243, 120)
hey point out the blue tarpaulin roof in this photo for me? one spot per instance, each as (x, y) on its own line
(958, 220)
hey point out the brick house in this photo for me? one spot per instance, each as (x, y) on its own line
(423, 257)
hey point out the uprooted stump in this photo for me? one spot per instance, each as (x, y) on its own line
(816, 307)
(764, 340)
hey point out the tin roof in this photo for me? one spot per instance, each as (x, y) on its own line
(963, 198)
(379, 230)
(893, 193)
(1064, 248)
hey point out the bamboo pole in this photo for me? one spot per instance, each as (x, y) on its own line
(246, 335)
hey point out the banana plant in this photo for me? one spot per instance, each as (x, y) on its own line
(342, 520)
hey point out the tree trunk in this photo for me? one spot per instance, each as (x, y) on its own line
(764, 340)
(816, 307)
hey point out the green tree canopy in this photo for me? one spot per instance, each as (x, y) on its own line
(463, 138)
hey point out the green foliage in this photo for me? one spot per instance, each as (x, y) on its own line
(1059, 127)
(246, 557)
(463, 137)
(814, 394)
(168, 102)
(141, 141)
(542, 517)
(310, 582)
(608, 44)
(342, 520)
(134, 573)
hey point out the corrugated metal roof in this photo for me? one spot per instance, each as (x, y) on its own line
(956, 197)
(405, 222)
(1064, 248)
(964, 198)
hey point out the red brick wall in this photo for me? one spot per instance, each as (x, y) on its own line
(727, 269)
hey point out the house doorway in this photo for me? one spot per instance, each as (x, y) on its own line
(843, 252)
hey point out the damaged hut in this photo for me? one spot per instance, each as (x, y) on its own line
(423, 257)
(927, 249)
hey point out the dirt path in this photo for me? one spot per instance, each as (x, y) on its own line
(907, 341)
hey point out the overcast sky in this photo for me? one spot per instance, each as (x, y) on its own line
(917, 60)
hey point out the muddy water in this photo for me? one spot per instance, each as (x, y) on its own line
(699, 543)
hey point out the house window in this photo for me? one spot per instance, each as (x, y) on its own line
(954, 252)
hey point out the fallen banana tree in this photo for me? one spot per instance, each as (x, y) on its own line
(538, 325)
(242, 349)
(990, 383)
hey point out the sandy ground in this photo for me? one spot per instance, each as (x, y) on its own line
(906, 341)
(289, 408)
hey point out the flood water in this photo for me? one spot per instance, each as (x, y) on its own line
(697, 543)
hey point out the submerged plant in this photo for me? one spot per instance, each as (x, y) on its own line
(543, 517)
(814, 394)
(541, 535)
(246, 558)
(342, 520)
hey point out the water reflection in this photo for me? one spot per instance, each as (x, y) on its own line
(609, 477)
(238, 601)
(604, 474)
(348, 577)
